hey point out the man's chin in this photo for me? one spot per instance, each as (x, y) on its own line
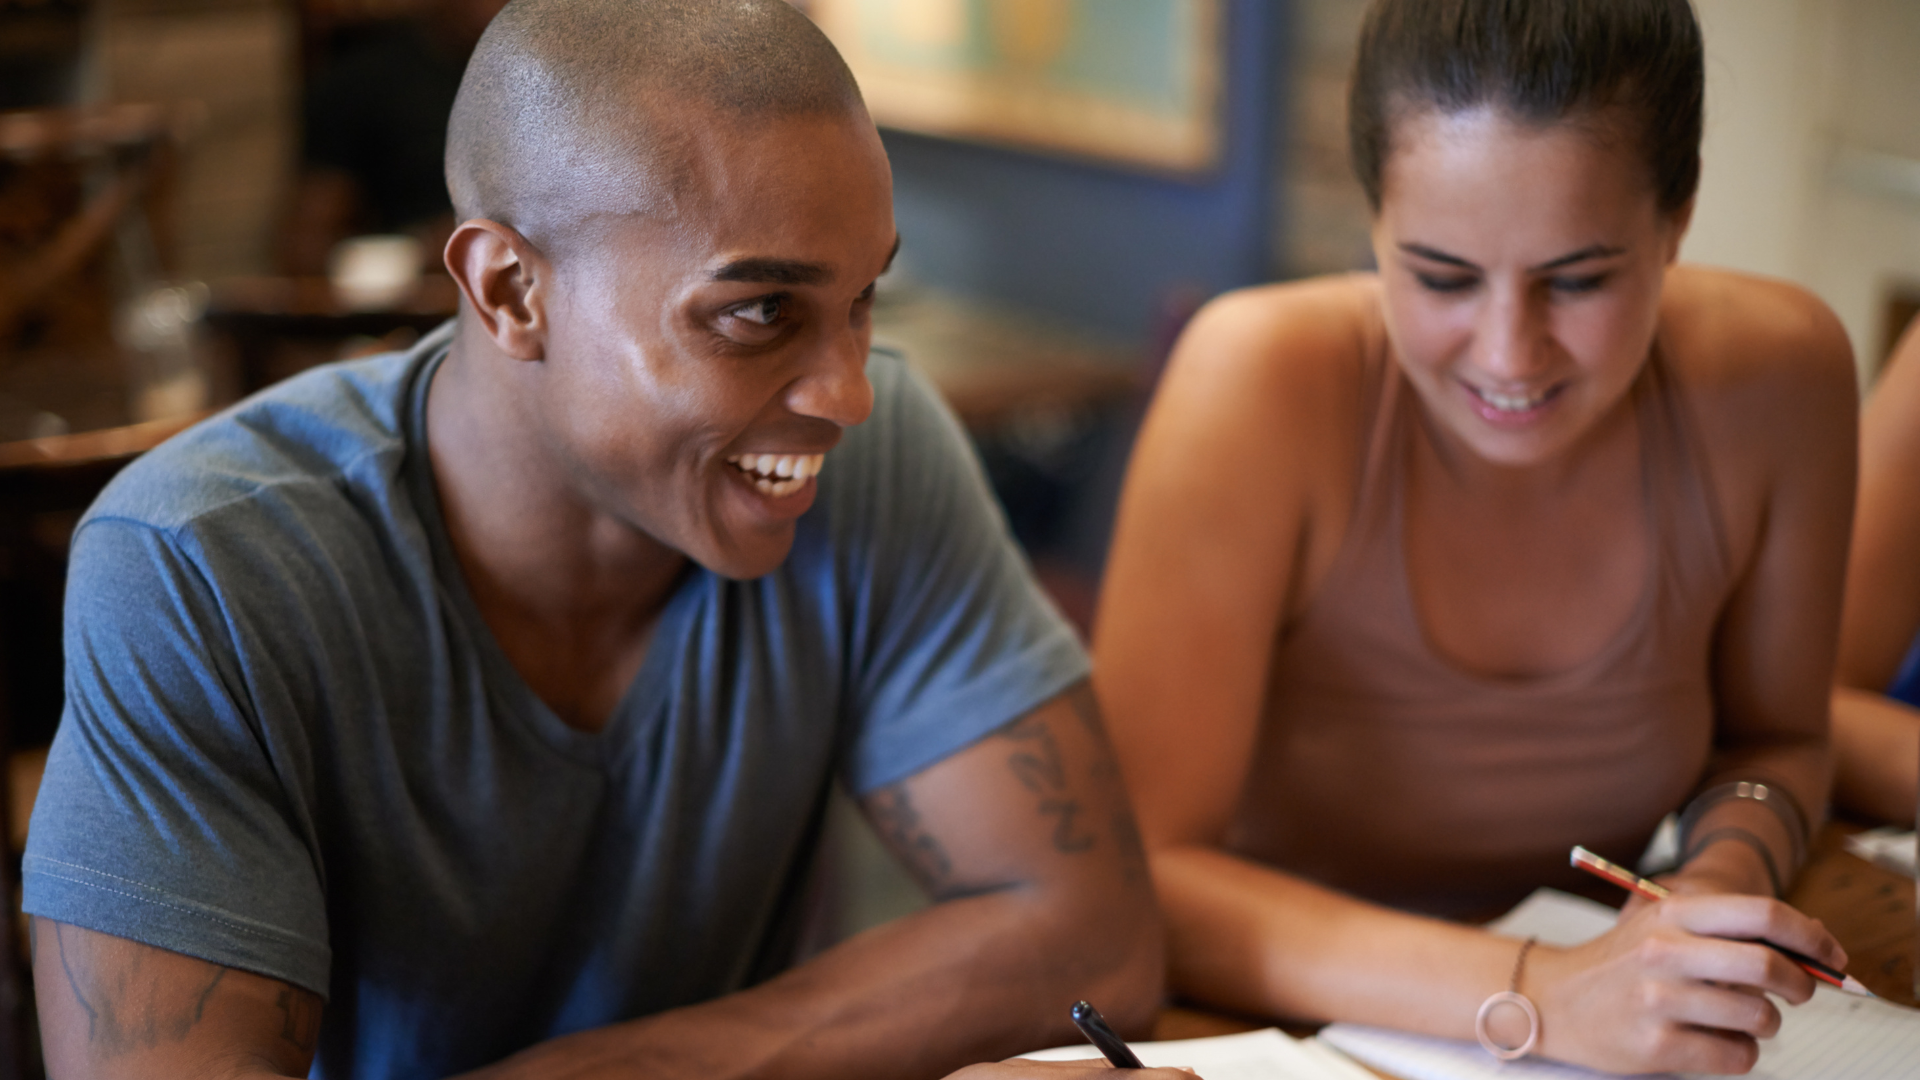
(744, 561)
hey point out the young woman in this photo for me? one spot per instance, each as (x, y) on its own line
(1424, 576)
(1876, 725)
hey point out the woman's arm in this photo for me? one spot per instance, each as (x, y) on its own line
(1773, 387)
(1235, 499)
(1877, 739)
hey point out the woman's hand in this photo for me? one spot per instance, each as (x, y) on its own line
(1674, 987)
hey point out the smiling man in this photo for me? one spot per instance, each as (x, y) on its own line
(475, 708)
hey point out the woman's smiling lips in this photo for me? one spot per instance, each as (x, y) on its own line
(778, 475)
(1510, 407)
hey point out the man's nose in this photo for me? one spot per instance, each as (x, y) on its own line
(834, 387)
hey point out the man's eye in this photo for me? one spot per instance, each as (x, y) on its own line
(1444, 284)
(765, 311)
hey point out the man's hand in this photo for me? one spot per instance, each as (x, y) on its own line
(112, 1008)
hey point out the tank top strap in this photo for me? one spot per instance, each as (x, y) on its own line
(1679, 487)
(1379, 491)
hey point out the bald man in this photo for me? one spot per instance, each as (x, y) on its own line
(474, 708)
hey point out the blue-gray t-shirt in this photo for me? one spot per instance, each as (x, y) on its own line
(292, 746)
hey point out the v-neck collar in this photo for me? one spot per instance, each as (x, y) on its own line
(644, 699)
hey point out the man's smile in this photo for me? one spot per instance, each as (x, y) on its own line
(778, 474)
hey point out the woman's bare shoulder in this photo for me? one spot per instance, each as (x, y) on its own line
(1766, 372)
(1739, 335)
(1289, 346)
(1756, 355)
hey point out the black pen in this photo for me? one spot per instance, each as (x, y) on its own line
(1094, 1027)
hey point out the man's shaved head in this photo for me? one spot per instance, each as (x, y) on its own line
(572, 108)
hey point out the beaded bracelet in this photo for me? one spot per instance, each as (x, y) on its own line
(1510, 996)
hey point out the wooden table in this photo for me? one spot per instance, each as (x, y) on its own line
(1868, 908)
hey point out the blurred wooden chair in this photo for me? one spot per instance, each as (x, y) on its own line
(45, 485)
(79, 189)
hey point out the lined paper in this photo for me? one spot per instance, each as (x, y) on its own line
(1270, 1054)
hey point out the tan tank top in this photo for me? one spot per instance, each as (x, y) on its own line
(1387, 772)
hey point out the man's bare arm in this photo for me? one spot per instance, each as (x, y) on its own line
(1027, 842)
(112, 1008)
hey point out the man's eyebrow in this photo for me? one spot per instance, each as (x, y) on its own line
(1593, 251)
(773, 272)
(783, 271)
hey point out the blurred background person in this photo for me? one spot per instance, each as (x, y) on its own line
(1876, 722)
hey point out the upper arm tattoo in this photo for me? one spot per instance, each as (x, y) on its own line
(299, 1019)
(899, 824)
(127, 1009)
(1037, 765)
(1074, 800)
(1106, 775)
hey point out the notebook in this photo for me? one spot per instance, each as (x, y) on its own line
(1257, 1055)
(1834, 1036)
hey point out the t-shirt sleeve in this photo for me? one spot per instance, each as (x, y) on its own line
(955, 638)
(162, 817)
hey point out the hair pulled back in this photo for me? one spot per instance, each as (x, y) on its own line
(1636, 62)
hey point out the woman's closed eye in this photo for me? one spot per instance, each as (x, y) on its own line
(1575, 286)
(1445, 283)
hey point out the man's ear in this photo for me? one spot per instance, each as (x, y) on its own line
(505, 280)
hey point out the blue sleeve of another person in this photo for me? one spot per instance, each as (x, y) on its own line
(181, 763)
(952, 637)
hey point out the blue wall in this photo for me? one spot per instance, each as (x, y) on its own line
(1100, 246)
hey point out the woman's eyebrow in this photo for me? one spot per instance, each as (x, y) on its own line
(1592, 251)
(1435, 255)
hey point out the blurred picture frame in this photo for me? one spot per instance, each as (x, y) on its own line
(1133, 83)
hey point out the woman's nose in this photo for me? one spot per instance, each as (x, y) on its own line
(1510, 341)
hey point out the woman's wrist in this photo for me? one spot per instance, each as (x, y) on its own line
(1724, 864)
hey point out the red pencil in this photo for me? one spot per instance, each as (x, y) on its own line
(1653, 890)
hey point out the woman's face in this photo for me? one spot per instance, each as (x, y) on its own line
(1521, 268)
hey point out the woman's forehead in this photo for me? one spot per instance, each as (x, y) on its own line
(1485, 154)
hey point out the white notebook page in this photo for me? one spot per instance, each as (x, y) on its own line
(1256, 1055)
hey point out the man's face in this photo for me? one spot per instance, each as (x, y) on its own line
(699, 368)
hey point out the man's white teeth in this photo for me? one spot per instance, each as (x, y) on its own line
(778, 474)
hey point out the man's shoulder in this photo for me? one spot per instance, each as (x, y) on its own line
(331, 429)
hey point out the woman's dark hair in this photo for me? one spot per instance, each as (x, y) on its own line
(1540, 61)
